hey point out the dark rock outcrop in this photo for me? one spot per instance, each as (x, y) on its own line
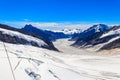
(112, 45)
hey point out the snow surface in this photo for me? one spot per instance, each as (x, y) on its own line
(113, 32)
(23, 36)
(32, 63)
(97, 29)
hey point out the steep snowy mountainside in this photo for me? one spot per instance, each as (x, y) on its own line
(114, 31)
(88, 36)
(98, 28)
(104, 37)
(22, 36)
(18, 36)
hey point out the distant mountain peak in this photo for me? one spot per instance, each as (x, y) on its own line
(99, 28)
(29, 26)
(46, 34)
(89, 36)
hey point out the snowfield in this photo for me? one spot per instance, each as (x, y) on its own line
(32, 63)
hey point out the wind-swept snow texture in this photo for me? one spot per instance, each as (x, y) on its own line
(32, 63)
(23, 36)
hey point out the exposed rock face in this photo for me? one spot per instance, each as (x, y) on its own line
(112, 45)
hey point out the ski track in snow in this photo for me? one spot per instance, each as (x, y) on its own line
(32, 63)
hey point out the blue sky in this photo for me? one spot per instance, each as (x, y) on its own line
(60, 11)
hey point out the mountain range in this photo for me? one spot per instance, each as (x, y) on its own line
(46, 34)
(31, 53)
(104, 36)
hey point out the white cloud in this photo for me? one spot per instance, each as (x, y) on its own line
(39, 24)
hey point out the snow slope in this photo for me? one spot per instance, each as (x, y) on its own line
(23, 36)
(112, 32)
(32, 63)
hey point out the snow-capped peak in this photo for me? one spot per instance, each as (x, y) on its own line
(98, 28)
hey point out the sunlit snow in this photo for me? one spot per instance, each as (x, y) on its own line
(31, 63)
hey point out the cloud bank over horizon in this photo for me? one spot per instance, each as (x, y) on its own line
(52, 25)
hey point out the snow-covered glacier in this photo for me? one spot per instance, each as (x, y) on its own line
(32, 63)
